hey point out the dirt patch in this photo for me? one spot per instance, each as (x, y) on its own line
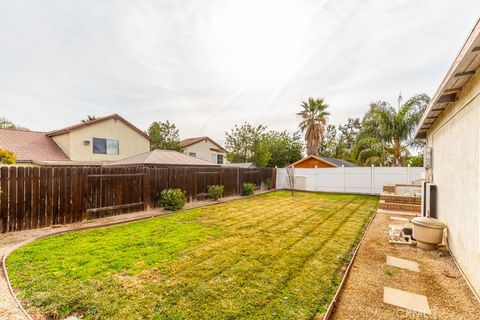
(439, 280)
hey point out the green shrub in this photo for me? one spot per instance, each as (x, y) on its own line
(269, 184)
(215, 191)
(248, 188)
(173, 199)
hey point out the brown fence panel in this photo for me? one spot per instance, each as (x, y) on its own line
(33, 197)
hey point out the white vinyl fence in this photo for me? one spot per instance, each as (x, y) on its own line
(367, 180)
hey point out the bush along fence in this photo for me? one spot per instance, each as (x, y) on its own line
(34, 197)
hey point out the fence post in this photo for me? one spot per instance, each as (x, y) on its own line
(146, 191)
(372, 179)
(274, 177)
(409, 174)
(238, 182)
(343, 170)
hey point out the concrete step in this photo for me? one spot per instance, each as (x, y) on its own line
(389, 197)
(400, 206)
(389, 188)
(398, 213)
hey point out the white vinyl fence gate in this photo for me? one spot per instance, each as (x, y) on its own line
(366, 180)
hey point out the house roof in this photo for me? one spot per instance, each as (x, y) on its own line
(30, 146)
(96, 121)
(162, 157)
(339, 162)
(333, 161)
(240, 165)
(462, 70)
(190, 141)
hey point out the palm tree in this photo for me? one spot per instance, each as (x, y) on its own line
(313, 121)
(396, 126)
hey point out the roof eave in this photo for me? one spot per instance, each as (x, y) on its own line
(447, 92)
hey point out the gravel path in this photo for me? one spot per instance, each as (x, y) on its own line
(439, 280)
(9, 310)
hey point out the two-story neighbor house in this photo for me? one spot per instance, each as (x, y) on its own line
(205, 148)
(95, 142)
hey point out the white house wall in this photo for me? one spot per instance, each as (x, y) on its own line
(455, 143)
(130, 141)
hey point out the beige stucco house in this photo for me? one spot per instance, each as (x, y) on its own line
(206, 149)
(105, 139)
(451, 125)
(95, 142)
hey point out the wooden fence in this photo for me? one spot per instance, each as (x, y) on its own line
(40, 197)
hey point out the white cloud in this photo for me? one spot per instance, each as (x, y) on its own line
(206, 65)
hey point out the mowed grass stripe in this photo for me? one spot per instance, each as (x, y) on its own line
(274, 217)
(237, 239)
(273, 256)
(318, 249)
(204, 276)
(281, 268)
(239, 242)
(209, 251)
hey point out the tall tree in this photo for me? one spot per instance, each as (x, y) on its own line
(8, 124)
(329, 142)
(348, 135)
(313, 120)
(89, 118)
(243, 141)
(394, 127)
(164, 135)
(284, 148)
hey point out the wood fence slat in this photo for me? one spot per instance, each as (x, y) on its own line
(74, 196)
(55, 195)
(12, 201)
(43, 196)
(49, 198)
(20, 212)
(4, 172)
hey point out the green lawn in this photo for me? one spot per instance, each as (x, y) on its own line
(271, 256)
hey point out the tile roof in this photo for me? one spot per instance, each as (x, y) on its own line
(89, 123)
(339, 162)
(162, 157)
(189, 141)
(31, 146)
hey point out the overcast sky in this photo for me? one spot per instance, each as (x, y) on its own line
(207, 65)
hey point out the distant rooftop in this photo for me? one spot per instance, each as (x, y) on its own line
(240, 165)
(162, 157)
(190, 141)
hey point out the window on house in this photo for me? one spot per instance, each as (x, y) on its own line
(192, 154)
(219, 158)
(105, 146)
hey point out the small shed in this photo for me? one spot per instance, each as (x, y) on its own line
(321, 162)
